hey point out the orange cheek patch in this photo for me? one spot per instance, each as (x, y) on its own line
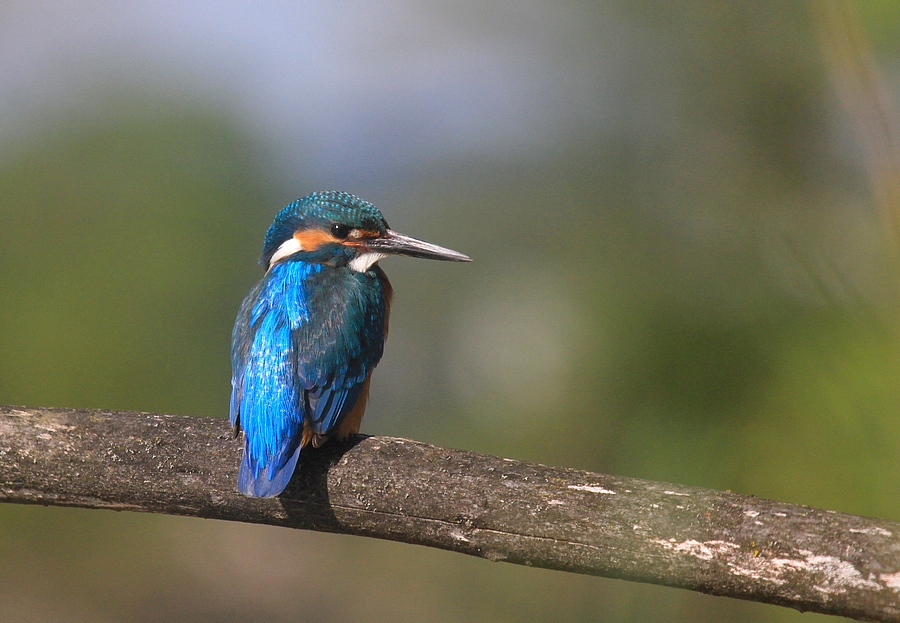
(312, 239)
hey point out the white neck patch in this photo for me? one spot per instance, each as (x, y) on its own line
(364, 262)
(288, 247)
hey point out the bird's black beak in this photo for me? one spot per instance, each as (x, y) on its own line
(398, 244)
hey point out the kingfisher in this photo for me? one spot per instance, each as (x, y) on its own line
(309, 334)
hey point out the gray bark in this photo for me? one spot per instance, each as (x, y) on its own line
(715, 542)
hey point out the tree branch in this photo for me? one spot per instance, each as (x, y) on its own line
(710, 541)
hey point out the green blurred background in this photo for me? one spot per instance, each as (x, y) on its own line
(682, 217)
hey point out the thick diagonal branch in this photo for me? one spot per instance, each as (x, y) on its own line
(710, 541)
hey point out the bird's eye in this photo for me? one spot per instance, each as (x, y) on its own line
(340, 231)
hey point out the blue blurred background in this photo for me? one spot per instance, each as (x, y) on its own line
(683, 218)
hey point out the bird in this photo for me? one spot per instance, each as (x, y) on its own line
(309, 334)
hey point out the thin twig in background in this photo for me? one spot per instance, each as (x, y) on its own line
(861, 90)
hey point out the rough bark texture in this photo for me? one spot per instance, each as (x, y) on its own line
(710, 541)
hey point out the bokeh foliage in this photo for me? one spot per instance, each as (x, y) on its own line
(714, 303)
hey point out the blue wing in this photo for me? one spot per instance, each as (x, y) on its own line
(303, 344)
(337, 350)
(265, 398)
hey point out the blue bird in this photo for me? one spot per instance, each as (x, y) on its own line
(309, 334)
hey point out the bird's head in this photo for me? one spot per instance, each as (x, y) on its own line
(342, 229)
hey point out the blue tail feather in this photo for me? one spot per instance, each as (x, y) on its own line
(268, 481)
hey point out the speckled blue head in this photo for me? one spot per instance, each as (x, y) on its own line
(340, 229)
(321, 210)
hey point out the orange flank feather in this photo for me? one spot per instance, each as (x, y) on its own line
(352, 421)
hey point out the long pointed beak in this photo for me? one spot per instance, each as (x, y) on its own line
(398, 244)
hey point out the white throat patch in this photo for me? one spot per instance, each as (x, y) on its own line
(364, 262)
(288, 247)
